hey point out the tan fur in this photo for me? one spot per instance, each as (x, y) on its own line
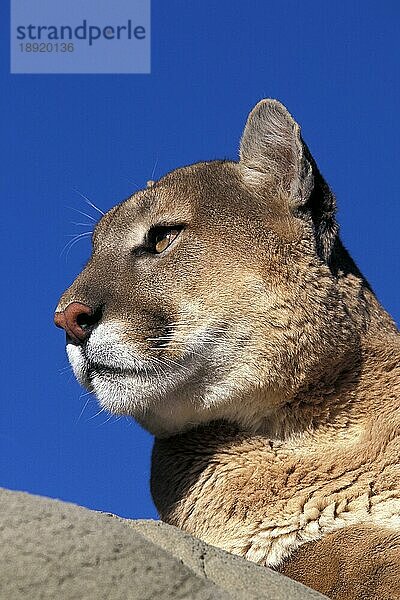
(256, 352)
(359, 553)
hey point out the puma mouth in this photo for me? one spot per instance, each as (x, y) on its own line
(102, 369)
(153, 387)
(89, 368)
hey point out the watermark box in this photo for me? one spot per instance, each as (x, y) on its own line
(80, 36)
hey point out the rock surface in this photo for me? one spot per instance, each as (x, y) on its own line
(51, 549)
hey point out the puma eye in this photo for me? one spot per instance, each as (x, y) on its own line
(160, 238)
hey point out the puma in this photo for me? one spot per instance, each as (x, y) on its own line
(221, 310)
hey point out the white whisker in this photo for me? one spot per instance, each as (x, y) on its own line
(82, 213)
(132, 182)
(159, 362)
(102, 409)
(82, 224)
(106, 421)
(154, 169)
(72, 242)
(78, 235)
(84, 406)
(89, 202)
(173, 362)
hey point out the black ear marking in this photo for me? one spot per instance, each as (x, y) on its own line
(321, 204)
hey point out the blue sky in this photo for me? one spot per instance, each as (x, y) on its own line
(334, 64)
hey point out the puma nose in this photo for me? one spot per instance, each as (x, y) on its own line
(78, 320)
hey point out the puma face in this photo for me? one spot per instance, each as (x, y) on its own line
(210, 294)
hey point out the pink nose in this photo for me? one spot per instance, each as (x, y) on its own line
(77, 320)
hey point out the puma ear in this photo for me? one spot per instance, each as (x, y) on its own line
(274, 158)
(272, 152)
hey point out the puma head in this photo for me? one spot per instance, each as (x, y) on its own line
(213, 293)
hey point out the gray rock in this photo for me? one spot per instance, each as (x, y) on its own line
(56, 550)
